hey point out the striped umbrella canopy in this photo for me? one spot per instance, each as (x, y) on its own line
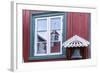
(76, 41)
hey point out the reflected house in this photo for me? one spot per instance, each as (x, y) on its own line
(54, 35)
(41, 44)
(55, 44)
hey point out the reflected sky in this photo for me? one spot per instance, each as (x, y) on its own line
(55, 23)
(41, 24)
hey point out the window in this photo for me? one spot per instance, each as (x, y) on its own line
(48, 35)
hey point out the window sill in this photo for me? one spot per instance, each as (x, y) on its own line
(47, 57)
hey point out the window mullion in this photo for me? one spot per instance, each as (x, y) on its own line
(48, 40)
(61, 33)
(35, 37)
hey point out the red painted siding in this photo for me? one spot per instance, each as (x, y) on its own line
(78, 23)
(26, 34)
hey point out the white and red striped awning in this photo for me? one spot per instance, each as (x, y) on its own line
(76, 41)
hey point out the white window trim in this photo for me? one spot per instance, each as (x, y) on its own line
(48, 32)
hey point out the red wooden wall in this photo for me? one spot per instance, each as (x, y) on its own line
(77, 23)
(26, 34)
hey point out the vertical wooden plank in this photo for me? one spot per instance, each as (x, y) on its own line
(85, 32)
(69, 25)
(26, 34)
(76, 25)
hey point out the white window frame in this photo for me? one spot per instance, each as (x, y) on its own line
(48, 35)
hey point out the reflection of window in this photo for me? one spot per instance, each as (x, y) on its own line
(48, 35)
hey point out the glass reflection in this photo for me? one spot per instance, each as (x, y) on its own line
(55, 23)
(41, 24)
(41, 48)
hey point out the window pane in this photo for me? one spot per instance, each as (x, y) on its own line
(55, 47)
(55, 23)
(41, 24)
(55, 41)
(41, 48)
(41, 42)
(41, 36)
